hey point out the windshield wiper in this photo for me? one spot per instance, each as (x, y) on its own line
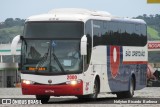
(59, 64)
(42, 60)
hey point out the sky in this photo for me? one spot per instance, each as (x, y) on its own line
(123, 8)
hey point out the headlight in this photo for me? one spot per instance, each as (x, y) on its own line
(27, 82)
(74, 82)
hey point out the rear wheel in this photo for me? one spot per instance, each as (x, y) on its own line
(44, 98)
(130, 93)
(127, 94)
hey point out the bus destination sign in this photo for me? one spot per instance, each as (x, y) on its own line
(34, 68)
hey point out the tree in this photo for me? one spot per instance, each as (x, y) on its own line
(9, 22)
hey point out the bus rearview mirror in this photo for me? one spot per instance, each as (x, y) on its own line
(14, 44)
(84, 45)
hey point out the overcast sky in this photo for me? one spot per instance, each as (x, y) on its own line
(124, 8)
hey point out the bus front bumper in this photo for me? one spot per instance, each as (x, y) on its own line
(53, 90)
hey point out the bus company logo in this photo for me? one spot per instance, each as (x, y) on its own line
(87, 86)
(50, 81)
(114, 60)
(153, 1)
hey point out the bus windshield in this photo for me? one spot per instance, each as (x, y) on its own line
(51, 56)
(52, 47)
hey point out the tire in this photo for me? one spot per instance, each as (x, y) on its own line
(91, 96)
(95, 90)
(127, 94)
(44, 98)
(120, 95)
(130, 93)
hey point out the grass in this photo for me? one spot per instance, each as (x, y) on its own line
(153, 33)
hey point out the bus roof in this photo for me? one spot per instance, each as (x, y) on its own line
(77, 14)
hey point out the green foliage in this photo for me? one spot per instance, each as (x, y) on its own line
(152, 33)
(153, 22)
(7, 34)
(10, 28)
(10, 22)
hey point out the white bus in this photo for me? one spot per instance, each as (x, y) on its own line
(78, 52)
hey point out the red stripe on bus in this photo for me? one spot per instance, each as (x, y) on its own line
(55, 90)
(135, 62)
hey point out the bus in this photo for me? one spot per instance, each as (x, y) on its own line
(82, 53)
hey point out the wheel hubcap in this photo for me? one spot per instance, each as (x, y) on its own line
(131, 88)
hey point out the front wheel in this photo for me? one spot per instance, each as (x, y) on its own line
(95, 91)
(91, 96)
(44, 98)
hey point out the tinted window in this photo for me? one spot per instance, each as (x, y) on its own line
(88, 32)
(97, 32)
(119, 33)
(53, 30)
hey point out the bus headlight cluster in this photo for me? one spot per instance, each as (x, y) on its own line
(74, 82)
(27, 82)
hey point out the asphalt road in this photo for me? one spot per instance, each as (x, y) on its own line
(149, 94)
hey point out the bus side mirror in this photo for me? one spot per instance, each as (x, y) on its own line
(14, 44)
(84, 45)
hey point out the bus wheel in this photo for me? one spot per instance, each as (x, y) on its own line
(127, 94)
(130, 93)
(44, 98)
(120, 95)
(95, 91)
(91, 96)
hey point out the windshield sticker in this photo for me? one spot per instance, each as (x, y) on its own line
(67, 63)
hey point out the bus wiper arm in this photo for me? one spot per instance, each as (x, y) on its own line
(42, 60)
(59, 64)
